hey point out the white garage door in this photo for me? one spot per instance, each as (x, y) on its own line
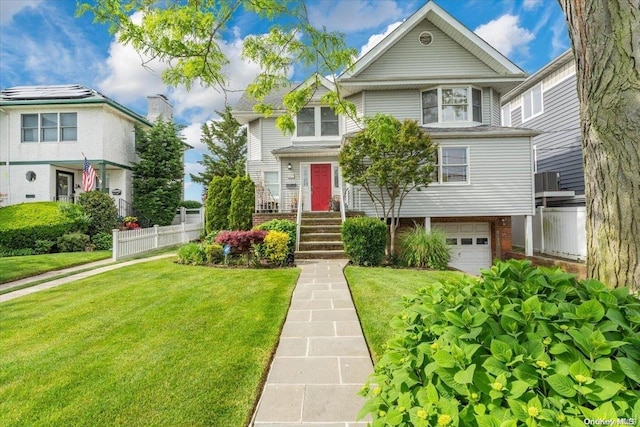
(470, 245)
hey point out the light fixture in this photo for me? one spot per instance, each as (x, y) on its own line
(289, 167)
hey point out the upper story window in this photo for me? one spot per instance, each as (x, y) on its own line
(49, 127)
(452, 166)
(452, 105)
(317, 122)
(506, 115)
(532, 103)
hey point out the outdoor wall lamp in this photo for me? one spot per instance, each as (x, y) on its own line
(289, 167)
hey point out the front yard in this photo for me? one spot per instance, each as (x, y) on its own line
(377, 295)
(18, 267)
(151, 344)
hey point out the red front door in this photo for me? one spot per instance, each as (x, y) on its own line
(320, 187)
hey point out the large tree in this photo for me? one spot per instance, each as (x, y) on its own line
(187, 36)
(158, 176)
(389, 159)
(605, 36)
(226, 139)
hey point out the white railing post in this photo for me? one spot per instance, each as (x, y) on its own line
(156, 236)
(114, 244)
(343, 214)
(299, 218)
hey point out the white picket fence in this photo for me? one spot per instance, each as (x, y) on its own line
(556, 231)
(133, 242)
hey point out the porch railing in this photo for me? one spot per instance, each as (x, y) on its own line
(265, 202)
(298, 218)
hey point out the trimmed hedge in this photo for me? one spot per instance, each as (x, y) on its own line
(102, 210)
(23, 224)
(365, 240)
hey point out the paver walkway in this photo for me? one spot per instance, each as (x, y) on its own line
(95, 268)
(322, 359)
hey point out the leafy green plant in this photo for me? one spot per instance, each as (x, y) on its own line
(242, 203)
(519, 346)
(76, 214)
(213, 252)
(218, 203)
(73, 242)
(276, 247)
(365, 240)
(424, 249)
(285, 226)
(192, 254)
(23, 224)
(43, 246)
(191, 204)
(102, 210)
(103, 241)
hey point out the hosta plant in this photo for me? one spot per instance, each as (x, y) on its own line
(521, 346)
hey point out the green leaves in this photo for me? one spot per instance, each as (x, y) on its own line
(545, 358)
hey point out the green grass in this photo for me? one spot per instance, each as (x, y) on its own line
(153, 344)
(19, 267)
(377, 295)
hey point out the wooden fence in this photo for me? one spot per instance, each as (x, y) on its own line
(132, 242)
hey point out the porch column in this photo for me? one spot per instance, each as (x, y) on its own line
(427, 223)
(528, 235)
(103, 177)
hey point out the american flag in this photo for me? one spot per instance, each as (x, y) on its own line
(89, 176)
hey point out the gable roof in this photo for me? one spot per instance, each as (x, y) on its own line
(449, 25)
(62, 94)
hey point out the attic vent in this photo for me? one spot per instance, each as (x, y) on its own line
(425, 38)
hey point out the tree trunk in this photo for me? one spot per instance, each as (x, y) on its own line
(605, 36)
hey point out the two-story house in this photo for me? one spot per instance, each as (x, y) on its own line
(548, 101)
(434, 70)
(47, 131)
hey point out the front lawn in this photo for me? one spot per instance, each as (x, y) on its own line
(377, 295)
(150, 344)
(19, 267)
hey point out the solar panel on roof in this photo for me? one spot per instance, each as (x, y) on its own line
(47, 92)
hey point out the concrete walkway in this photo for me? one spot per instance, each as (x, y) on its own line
(322, 359)
(92, 269)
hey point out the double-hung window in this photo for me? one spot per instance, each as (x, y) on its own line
(272, 183)
(451, 105)
(317, 122)
(532, 103)
(452, 165)
(49, 127)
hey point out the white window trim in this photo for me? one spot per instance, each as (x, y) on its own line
(59, 128)
(317, 117)
(439, 182)
(264, 182)
(460, 123)
(533, 115)
(506, 107)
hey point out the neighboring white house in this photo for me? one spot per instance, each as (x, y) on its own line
(46, 131)
(434, 70)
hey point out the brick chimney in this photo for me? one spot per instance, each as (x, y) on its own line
(158, 106)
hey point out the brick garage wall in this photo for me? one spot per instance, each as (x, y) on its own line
(500, 231)
(259, 218)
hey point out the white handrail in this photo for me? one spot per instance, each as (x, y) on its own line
(343, 214)
(298, 218)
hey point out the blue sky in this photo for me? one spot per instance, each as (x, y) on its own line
(43, 43)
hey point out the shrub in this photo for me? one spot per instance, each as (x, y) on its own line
(23, 224)
(213, 252)
(102, 210)
(424, 249)
(43, 246)
(77, 216)
(191, 254)
(73, 242)
(103, 241)
(285, 226)
(242, 241)
(276, 247)
(191, 204)
(16, 252)
(242, 203)
(520, 346)
(365, 240)
(218, 203)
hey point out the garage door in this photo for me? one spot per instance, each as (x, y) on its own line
(470, 245)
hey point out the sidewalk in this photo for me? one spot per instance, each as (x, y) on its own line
(322, 359)
(95, 268)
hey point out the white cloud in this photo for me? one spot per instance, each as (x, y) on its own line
(192, 135)
(10, 8)
(377, 38)
(560, 38)
(505, 34)
(192, 168)
(353, 15)
(531, 4)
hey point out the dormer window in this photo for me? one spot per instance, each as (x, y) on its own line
(315, 122)
(453, 105)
